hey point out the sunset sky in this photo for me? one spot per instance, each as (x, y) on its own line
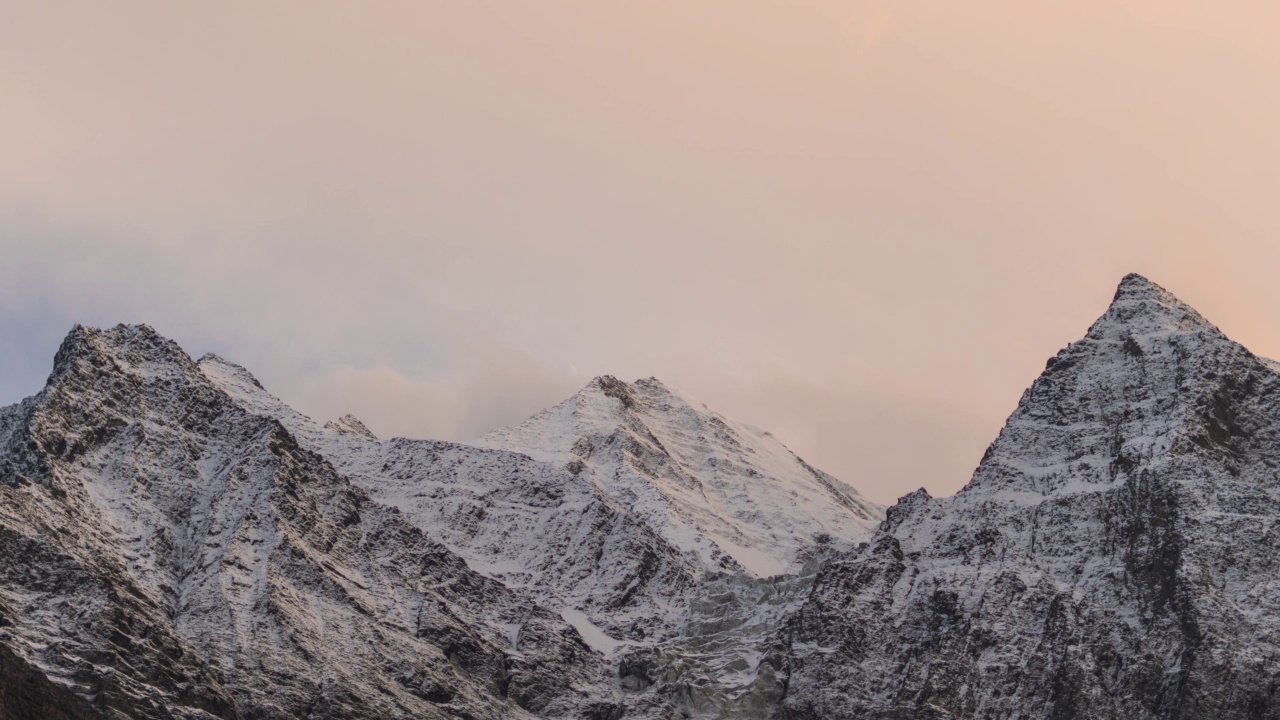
(861, 225)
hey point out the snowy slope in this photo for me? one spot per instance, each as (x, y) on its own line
(1116, 554)
(728, 494)
(169, 554)
(178, 543)
(529, 524)
(700, 492)
(637, 543)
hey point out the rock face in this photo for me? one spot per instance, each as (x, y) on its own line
(169, 554)
(1116, 554)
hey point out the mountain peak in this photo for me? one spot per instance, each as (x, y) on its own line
(716, 490)
(1141, 307)
(629, 394)
(350, 424)
(1124, 476)
(1146, 378)
(79, 336)
(612, 387)
(229, 368)
(1135, 284)
(604, 382)
(93, 349)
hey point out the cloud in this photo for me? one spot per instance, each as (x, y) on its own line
(445, 216)
(885, 440)
(497, 390)
(346, 344)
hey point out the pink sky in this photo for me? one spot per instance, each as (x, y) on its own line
(863, 225)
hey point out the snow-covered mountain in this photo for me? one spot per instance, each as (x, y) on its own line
(1116, 554)
(168, 554)
(176, 542)
(728, 494)
(182, 544)
(621, 508)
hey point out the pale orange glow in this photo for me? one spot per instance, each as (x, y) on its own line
(862, 224)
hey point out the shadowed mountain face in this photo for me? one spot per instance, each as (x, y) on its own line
(1116, 554)
(178, 543)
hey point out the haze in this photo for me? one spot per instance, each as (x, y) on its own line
(861, 225)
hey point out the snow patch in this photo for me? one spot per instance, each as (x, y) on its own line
(592, 635)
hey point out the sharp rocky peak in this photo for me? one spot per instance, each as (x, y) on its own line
(239, 372)
(350, 424)
(1142, 307)
(122, 345)
(1149, 377)
(1134, 284)
(628, 394)
(1108, 560)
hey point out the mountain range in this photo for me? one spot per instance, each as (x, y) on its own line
(180, 543)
